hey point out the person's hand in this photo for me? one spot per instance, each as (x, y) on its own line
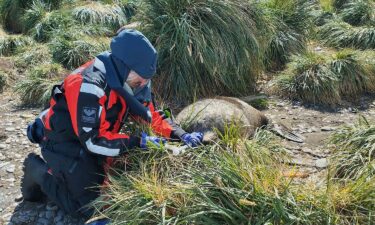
(192, 139)
(152, 139)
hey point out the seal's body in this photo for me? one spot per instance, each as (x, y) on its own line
(210, 114)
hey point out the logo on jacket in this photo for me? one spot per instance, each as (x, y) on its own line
(89, 115)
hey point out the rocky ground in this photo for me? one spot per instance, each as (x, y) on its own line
(313, 123)
(14, 146)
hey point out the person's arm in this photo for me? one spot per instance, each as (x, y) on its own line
(86, 103)
(163, 125)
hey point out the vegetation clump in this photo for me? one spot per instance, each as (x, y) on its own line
(354, 155)
(317, 79)
(309, 78)
(35, 88)
(10, 44)
(204, 44)
(290, 22)
(96, 13)
(343, 35)
(73, 50)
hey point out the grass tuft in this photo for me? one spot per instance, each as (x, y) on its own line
(310, 79)
(74, 50)
(360, 12)
(40, 21)
(354, 154)
(339, 4)
(35, 88)
(12, 11)
(204, 44)
(9, 45)
(31, 56)
(353, 76)
(97, 13)
(342, 35)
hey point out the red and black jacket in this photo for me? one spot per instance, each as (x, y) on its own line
(85, 110)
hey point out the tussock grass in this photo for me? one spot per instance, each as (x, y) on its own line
(342, 35)
(9, 45)
(209, 185)
(351, 185)
(11, 12)
(289, 23)
(35, 88)
(40, 21)
(97, 13)
(359, 12)
(231, 184)
(327, 5)
(313, 78)
(31, 56)
(309, 78)
(353, 76)
(339, 4)
(74, 50)
(354, 150)
(204, 44)
(350, 202)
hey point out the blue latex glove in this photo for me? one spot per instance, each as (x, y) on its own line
(192, 139)
(154, 140)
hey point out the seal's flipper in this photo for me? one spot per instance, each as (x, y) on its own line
(285, 132)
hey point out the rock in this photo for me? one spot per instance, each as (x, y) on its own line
(3, 146)
(321, 163)
(318, 49)
(7, 216)
(11, 168)
(4, 164)
(314, 129)
(18, 156)
(10, 129)
(27, 116)
(327, 128)
(18, 198)
(10, 180)
(280, 104)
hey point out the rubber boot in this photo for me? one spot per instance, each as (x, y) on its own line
(34, 169)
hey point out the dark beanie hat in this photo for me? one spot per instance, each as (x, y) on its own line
(133, 49)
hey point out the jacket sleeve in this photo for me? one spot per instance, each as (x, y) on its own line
(164, 126)
(86, 104)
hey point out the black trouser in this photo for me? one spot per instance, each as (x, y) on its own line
(76, 177)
